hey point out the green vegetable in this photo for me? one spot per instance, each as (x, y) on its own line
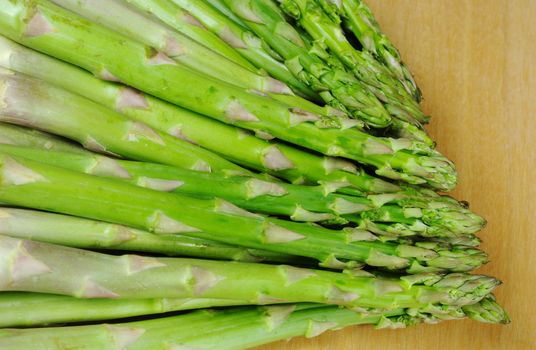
(47, 268)
(90, 234)
(181, 20)
(376, 77)
(110, 55)
(356, 15)
(237, 328)
(275, 158)
(430, 217)
(123, 19)
(20, 309)
(31, 102)
(28, 183)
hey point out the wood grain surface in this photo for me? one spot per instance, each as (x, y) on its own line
(475, 61)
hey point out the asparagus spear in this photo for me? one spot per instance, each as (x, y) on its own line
(233, 329)
(182, 21)
(342, 93)
(275, 158)
(316, 66)
(189, 26)
(123, 19)
(20, 309)
(356, 15)
(109, 54)
(31, 102)
(320, 26)
(90, 234)
(301, 203)
(47, 268)
(27, 183)
(16, 135)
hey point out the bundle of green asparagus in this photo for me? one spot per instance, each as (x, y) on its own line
(263, 160)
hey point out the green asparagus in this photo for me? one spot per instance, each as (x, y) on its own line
(431, 218)
(342, 93)
(90, 234)
(359, 19)
(16, 135)
(28, 183)
(275, 158)
(111, 55)
(35, 309)
(320, 26)
(46, 268)
(31, 102)
(20, 309)
(316, 66)
(121, 18)
(182, 21)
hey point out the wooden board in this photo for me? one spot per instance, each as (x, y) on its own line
(475, 61)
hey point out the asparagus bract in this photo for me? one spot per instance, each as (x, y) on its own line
(148, 70)
(27, 183)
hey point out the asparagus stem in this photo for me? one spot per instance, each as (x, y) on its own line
(46, 268)
(318, 67)
(28, 183)
(16, 135)
(348, 96)
(232, 329)
(430, 218)
(275, 158)
(356, 15)
(90, 234)
(181, 20)
(121, 18)
(20, 309)
(109, 54)
(185, 23)
(38, 104)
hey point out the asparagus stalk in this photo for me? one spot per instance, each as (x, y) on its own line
(182, 21)
(90, 234)
(185, 23)
(232, 329)
(356, 15)
(274, 158)
(320, 26)
(28, 183)
(20, 309)
(109, 54)
(318, 67)
(16, 135)
(429, 218)
(342, 93)
(31, 102)
(47, 268)
(123, 19)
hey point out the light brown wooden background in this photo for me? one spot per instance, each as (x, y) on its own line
(475, 61)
